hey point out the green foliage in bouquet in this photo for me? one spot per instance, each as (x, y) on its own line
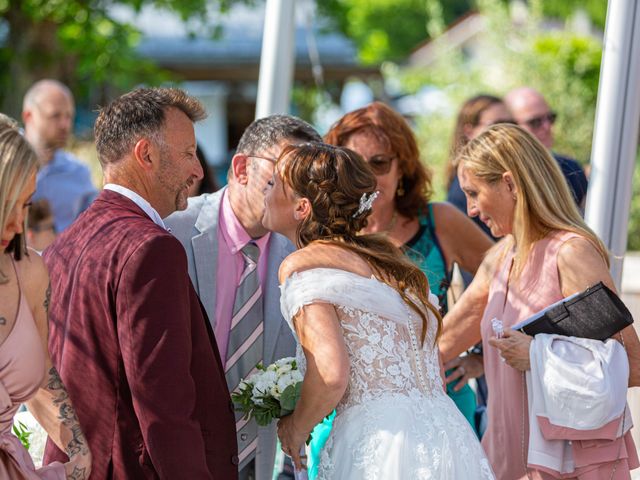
(23, 433)
(266, 402)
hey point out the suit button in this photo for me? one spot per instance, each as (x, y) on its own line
(243, 437)
(235, 460)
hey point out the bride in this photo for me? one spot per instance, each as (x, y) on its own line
(366, 327)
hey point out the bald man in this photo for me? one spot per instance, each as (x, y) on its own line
(47, 112)
(531, 111)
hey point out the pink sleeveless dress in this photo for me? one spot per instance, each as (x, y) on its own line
(22, 370)
(506, 439)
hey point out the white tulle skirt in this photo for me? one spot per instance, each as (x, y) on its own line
(402, 437)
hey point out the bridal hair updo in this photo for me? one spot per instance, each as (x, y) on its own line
(336, 181)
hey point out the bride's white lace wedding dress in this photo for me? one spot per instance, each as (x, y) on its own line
(395, 420)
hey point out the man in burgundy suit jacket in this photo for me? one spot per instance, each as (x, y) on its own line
(127, 332)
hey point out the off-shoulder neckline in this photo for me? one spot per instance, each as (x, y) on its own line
(373, 278)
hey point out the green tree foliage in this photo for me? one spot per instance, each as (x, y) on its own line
(390, 29)
(595, 9)
(79, 42)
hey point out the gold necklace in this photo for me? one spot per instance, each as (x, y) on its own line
(392, 223)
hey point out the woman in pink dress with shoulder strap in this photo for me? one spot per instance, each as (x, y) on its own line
(26, 373)
(547, 253)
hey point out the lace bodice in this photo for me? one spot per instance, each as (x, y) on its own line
(381, 333)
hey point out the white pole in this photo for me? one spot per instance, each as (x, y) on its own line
(615, 139)
(277, 58)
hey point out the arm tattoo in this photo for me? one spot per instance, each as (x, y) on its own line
(78, 474)
(47, 300)
(67, 415)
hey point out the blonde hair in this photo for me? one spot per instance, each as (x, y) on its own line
(543, 200)
(18, 161)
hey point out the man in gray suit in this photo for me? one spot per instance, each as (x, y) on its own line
(233, 264)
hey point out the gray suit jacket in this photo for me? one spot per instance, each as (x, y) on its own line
(197, 229)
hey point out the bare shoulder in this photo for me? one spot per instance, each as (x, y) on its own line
(455, 224)
(444, 210)
(581, 265)
(34, 278)
(33, 270)
(319, 255)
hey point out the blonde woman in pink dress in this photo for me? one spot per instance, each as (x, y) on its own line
(548, 252)
(26, 374)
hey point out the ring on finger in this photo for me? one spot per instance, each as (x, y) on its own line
(462, 370)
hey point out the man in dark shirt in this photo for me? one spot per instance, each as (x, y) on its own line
(531, 111)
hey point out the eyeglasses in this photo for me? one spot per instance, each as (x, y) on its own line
(380, 164)
(536, 122)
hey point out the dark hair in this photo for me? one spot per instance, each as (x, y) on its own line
(208, 183)
(266, 132)
(138, 114)
(335, 180)
(469, 114)
(391, 128)
(38, 211)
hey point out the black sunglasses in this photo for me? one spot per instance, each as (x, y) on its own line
(380, 164)
(536, 122)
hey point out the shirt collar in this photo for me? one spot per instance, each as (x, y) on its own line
(139, 201)
(233, 232)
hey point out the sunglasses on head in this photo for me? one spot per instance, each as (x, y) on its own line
(536, 122)
(380, 164)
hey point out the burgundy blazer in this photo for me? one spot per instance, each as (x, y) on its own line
(134, 348)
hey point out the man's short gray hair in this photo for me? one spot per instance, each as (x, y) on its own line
(137, 114)
(267, 132)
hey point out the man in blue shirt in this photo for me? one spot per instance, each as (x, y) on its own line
(47, 111)
(531, 111)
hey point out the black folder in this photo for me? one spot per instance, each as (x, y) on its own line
(596, 313)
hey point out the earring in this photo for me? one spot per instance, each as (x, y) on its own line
(400, 190)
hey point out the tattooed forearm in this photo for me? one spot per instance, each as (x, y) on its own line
(78, 474)
(67, 415)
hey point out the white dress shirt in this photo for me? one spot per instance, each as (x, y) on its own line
(139, 201)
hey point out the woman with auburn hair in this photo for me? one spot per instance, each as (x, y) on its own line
(548, 252)
(366, 326)
(26, 375)
(433, 235)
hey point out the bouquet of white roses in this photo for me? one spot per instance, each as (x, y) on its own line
(271, 392)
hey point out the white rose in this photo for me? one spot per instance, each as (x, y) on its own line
(284, 381)
(282, 369)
